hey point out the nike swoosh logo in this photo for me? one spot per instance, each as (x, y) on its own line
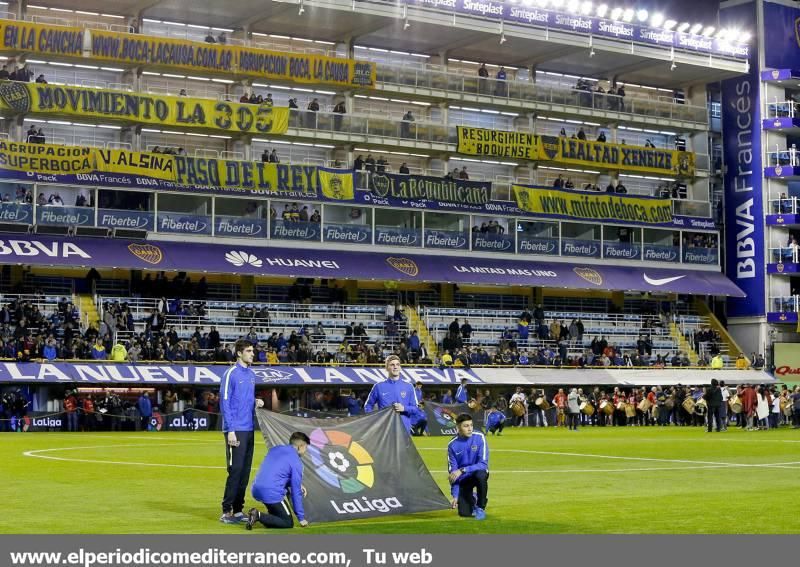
(661, 281)
(459, 452)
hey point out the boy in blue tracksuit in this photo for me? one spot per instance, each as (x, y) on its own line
(237, 396)
(468, 465)
(280, 470)
(394, 392)
(461, 393)
(495, 421)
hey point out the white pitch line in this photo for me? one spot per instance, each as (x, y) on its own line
(36, 454)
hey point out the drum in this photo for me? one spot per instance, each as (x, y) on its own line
(542, 404)
(688, 405)
(786, 407)
(518, 409)
(606, 407)
(473, 404)
(736, 404)
(670, 403)
(644, 405)
(621, 406)
(630, 410)
(700, 408)
(587, 408)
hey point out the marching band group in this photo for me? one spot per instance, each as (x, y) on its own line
(751, 406)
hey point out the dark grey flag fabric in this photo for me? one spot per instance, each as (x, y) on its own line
(357, 467)
(442, 418)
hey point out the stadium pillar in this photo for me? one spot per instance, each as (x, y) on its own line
(16, 129)
(618, 300)
(445, 111)
(446, 294)
(248, 287)
(532, 73)
(18, 7)
(244, 34)
(351, 288)
(133, 77)
(132, 135)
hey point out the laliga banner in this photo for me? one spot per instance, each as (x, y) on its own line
(567, 204)
(567, 151)
(24, 98)
(442, 418)
(248, 61)
(121, 168)
(38, 38)
(360, 467)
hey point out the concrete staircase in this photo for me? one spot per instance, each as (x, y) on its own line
(683, 344)
(88, 309)
(733, 349)
(415, 323)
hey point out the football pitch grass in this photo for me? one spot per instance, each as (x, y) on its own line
(598, 480)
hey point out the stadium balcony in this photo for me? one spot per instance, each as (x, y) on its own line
(490, 326)
(234, 320)
(638, 107)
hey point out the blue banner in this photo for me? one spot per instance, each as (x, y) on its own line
(397, 236)
(538, 246)
(782, 318)
(240, 226)
(587, 248)
(781, 36)
(117, 218)
(493, 242)
(450, 239)
(13, 212)
(658, 253)
(622, 250)
(293, 230)
(183, 223)
(70, 216)
(744, 208)
(353, 233)
(188, 375)
(706, 256)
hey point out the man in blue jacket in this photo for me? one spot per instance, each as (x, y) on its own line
(145, 408)
(468, 464)
(237, 403)
(394, 392)
(461, 393)
(280, 470)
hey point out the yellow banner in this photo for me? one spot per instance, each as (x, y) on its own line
(143, 108)
(566, 204)
(121, 168)
(585, 153)
(573, 152)
(337, 186)
(45, 159)
(39, 38)
(248, 61)
(497, 143)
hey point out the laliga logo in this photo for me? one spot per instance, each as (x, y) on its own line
(267, 375)
(156, 421)
(241, 258)
(445, 417)
(341, 462)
